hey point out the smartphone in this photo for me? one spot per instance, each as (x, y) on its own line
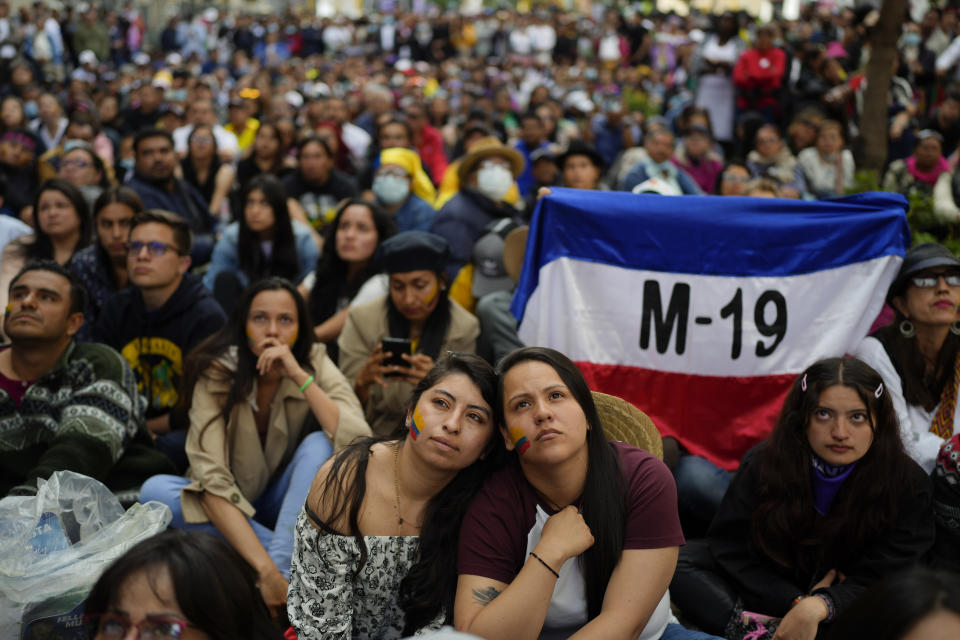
(396, 346)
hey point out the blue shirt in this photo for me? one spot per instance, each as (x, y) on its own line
(226, 257)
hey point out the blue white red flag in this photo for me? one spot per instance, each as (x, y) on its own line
(701, 310)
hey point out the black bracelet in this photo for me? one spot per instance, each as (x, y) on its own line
(544, 563)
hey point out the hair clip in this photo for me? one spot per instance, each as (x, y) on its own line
(803, 383)
(879, 391)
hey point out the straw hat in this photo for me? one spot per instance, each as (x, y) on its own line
(514, 250)
(486, 148)
(624, 422)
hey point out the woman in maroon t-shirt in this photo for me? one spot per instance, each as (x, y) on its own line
(578, 534)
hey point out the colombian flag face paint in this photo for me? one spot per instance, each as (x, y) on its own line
(8, 310)
(433, 295)
(520, 441)
(416, 424)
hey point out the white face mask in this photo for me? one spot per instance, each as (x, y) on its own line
(494, 181)
(391, 189)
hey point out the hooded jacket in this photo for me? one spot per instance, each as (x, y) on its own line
(155, 343)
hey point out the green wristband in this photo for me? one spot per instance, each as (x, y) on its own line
(306, 384)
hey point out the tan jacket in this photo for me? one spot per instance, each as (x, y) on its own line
(228, 460)
(366, 326)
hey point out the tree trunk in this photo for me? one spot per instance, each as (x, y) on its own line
(883, 53)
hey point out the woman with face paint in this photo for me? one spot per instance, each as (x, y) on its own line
(416, 310)
(376, 545)
(576, 536)
(266, 408)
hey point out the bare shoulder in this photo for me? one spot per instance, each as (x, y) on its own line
(336, 486)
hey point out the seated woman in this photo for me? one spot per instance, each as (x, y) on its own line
(347, 274)
(264, 404)
(84, 169)
(265, 242)
(696, 156)
(417, 309)
(828, 168)
(576, 536)
(178, 585)
(267, 156)
(919, 172)
(824, 508)
(203, 169)
(102, 267)
(403, 188)
(61, 224)
(376, 544)
(917, 354)
(771, 158)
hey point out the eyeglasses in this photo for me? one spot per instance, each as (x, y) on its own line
(111, 626)
(928, 282)
(76, 164)
(155, 249)
(202, 139)
(735, 178)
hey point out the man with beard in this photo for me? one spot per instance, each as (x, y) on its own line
(63, 405)
(159, 188)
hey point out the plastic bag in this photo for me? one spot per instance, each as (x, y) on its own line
(55, 544)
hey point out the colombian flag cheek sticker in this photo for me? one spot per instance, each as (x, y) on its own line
(519, 440)
(416, 424)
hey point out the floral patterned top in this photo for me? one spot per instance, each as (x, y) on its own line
(324, 601)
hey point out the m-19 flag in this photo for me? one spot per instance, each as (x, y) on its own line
(701, 310)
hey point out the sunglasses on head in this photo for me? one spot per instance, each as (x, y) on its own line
(930, 281)
(112, 626)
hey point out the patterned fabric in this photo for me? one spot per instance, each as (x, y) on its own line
(942, 423)
(91, 269)
(946, 505)
(326, 602)
(80, 416)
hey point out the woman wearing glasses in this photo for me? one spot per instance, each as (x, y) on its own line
(264, 404)
(84, 169)
(917, 354)
(178, 586)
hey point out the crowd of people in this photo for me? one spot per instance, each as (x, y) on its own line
(259, 268)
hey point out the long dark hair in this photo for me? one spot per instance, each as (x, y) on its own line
(919, 388)
(207, 358)
(42, 247)
(332, 283)
(213, 585)
(189, 168)
(783, 524)
(117, 194)
(890, 608)
(430, 585)
(277, 162)
(434, 329)
(283, 261)
(604, 504)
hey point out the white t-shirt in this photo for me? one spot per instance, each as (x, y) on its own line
(920, 443)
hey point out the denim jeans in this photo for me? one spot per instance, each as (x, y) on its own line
(700, 487)
(277, 507)
(675, 631)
